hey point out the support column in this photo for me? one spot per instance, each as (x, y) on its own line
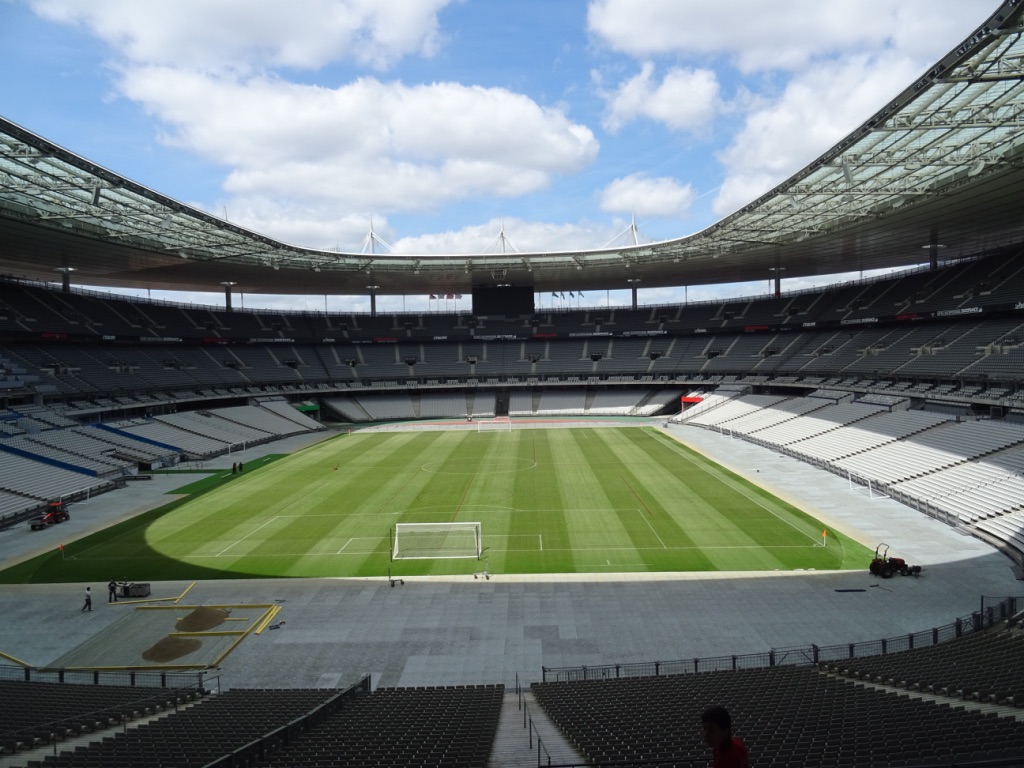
(227, 293)
(65, 278)
(633, 281)
(373, 299)
(934, 246)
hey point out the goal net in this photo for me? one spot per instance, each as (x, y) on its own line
(420, 541)
(494, 425)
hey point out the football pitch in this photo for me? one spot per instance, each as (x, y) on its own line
(581, 500)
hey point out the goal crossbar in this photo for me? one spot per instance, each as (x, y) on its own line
(425, 541)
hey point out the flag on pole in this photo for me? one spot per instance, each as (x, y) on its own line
(61, 547)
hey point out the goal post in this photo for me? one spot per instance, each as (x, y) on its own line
(494, 425)
(860, 484)
(426, 541)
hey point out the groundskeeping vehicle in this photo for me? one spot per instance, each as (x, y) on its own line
(57, 512)
(885, 567)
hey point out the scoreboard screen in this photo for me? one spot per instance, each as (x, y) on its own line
(503, 300)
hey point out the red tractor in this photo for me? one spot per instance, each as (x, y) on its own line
(884, 566)
(57, 512)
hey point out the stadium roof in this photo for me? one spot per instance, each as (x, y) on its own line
(936, 174)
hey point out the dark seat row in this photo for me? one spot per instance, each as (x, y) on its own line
(40, 712)
(971, 667)
(795, 716)
(436, 726)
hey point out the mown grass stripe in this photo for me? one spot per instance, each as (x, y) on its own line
(598, 500)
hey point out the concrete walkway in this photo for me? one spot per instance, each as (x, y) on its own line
(527, 738)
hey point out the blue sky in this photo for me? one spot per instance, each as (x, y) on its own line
(444, 121)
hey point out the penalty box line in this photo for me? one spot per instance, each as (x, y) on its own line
(265, 523)
(250, 533)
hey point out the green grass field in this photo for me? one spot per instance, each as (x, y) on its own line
(549, 500)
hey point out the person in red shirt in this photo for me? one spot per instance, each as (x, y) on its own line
(727, 751)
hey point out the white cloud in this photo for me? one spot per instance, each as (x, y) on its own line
(240, 34)
(366, 146)
(841, 61)
(525, 236)
(647, 196)
(304, 225)
(814, 111)
(684, 100)
(758, 35)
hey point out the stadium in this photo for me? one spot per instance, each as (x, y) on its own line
(524, 536)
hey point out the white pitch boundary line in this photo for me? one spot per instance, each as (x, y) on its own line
(468, 509)
(412, 510)
(250, 533)
(743, 493)
(357, 553)
(354, 553)
(644, 518)
(624, 548)
(357, 538)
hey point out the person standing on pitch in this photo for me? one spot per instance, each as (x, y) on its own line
(727, 751)
(112, 591)
(88, 600)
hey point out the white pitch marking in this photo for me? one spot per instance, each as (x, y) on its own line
(742, 492)
(250, 533)
(540, 540)
(644, 517)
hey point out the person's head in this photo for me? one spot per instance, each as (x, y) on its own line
(717, 723)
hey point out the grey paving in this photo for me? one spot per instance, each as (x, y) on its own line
(459, 630)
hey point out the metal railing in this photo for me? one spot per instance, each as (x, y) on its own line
(178, 680)
(992, 611)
